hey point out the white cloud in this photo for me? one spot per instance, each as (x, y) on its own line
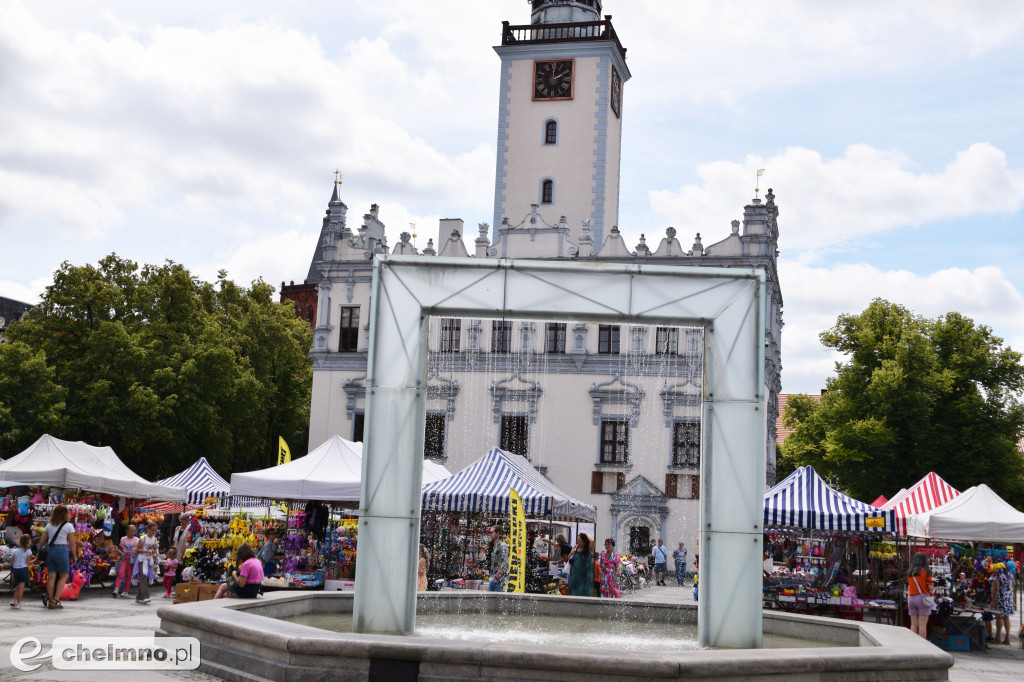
(250, 114)
(32, 293)
(816, 296)
(730, 52)
(825, 202)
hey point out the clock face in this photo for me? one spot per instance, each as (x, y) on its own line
(616, 93)
(552, 79)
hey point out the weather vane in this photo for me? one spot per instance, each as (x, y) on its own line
(760, 172)
(337, 177)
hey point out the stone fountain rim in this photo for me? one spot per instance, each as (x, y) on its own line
(887, 647)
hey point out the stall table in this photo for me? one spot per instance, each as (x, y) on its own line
(817, 607)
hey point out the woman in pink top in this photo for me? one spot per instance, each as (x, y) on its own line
(249, 575)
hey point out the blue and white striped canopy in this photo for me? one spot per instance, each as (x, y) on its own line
(201, 481)
(804, 500)
(483, 487)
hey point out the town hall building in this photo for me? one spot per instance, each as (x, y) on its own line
(610, 413)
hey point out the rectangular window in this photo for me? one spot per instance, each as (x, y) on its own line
(666, 341)
(433, 436)
(695, 487)
(348, 330)
(451, 333)
(357, 427)
(620, 480)
(596, 482)
(555, 338)
(614, 442)
(514, 434)
(686, 444)
(501, 336)
(608, 339)
(671, 485)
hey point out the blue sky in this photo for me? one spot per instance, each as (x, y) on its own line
(207, 133)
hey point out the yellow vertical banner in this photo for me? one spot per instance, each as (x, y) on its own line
(517, 544)
(284, 455)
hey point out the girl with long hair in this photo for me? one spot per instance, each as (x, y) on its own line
(919, 592)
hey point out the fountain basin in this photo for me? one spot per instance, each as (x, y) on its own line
(248, 640)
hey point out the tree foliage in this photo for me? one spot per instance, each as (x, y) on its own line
(165, 368)
(915, 395)
(31, 402)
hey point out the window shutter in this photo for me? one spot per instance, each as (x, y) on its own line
(671, 488)
(695, 486)
(620, 480)
(596, 482)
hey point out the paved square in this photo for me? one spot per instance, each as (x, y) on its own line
(98, 614)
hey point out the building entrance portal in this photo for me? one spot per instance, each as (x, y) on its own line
(728, 303)
(639, 541)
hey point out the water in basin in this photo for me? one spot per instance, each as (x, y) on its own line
(551, 631)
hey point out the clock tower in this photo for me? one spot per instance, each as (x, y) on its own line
(560, 117)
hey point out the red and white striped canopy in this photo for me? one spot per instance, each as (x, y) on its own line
(925, 495)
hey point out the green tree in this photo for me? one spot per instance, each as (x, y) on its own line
(31, 402)
(914, 395)
(165, 368)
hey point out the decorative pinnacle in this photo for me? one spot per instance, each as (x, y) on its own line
(337, 176)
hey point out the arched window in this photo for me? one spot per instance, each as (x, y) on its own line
(547, 191)
(551, 132)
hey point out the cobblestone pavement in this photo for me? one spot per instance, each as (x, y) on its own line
(97, 614)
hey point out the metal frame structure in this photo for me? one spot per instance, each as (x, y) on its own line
(728, 303)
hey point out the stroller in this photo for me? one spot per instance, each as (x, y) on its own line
(632, 576)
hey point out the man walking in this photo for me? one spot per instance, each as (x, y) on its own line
(660, 559)
(497, 561)
(179, 541)
(680, 557)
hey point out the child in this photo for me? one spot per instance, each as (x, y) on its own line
(145, 565)
(22, 558)
(268, 552)
(170, 570)
(126, 565)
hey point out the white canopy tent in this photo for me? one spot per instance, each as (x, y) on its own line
(65, 464)
(978, 514)
(331, 473)
(434, 472)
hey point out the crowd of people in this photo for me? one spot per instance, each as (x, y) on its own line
(986, 584)
(591, 572)
(138, 561)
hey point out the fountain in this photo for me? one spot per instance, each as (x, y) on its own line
(241, 642)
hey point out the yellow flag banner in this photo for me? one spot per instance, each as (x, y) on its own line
(284, 455)
(517, 544)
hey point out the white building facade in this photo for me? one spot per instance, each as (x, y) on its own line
(610, 413)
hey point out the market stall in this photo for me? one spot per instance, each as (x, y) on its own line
(322, 480)
(824, 536)
(102, 495)
(457, 509)
(978, 515)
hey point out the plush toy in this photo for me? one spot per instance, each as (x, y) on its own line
(73, 586)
